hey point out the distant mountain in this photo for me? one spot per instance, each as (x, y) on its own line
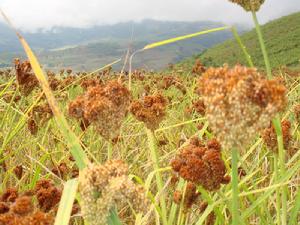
(87, 49)
(282, 41)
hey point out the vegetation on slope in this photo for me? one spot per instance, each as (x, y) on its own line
(282, 41)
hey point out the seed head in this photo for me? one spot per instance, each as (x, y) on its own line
(200, 164)
(151, 110)
(103, 187)
(47, 194)
(190, 198)
(239, 103)
(104, 106)
(270, 138)
(25, 77)
(198, 67)
(249, 5)
(297, 113)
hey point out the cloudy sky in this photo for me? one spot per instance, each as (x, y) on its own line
(31, 14)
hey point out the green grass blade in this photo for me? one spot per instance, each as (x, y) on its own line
(295, 210)
(73, 142)
(180, 38)
(113, 219)
(66, 202)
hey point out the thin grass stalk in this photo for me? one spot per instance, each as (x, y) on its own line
(277, 190)
(235, 188)
(109, 150)
(262, 45)
(295, 210)
(276, 123)
(130, 68)
(281, 153)
(159, 181)
(242, 46)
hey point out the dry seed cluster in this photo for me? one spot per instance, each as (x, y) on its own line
(105, 106)
(25, 77)
(103, 187)
(270, 138)
(190, 198)
(249, 5)
(201, 164)
(151, 110)
(198, 68)
(21, 209)
(239, 103)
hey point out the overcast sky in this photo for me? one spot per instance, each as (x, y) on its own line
(32, 14)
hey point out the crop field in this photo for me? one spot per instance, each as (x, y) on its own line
(207, 145)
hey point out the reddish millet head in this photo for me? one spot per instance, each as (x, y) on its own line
(239, 103)
(104, 106)
(151, 110)
(201, 164)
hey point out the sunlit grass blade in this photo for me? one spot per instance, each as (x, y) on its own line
(180, 38)
(73, 142)
(242, 46)
(66, 202)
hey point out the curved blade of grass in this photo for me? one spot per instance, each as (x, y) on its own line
(242, 46)
(180, 38)
(66, 202)
(73, 142)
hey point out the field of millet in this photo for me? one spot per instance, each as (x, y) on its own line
(207, 146)
(161, 151)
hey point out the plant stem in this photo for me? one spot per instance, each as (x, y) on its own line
(262, 45)
(243, 47)
(277, 190)
(109, 150)
(281, 153)
(159, 180)
(277, 125)
(235, 188)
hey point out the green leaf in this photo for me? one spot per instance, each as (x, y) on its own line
(66, 202)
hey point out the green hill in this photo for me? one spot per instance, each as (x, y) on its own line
(91, 48)
(282, 40)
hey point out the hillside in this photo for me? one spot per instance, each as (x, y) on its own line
(282, 40)
(87, 49)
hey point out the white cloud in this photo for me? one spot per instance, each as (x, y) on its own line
(33, 14)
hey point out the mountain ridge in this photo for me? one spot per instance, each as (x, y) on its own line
(53, 47)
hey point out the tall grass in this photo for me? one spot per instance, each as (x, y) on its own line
(250, 198)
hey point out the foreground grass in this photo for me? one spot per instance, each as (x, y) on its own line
(39, 154)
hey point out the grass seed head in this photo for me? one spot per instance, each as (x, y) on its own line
(239, 103)
(104, 106)
(151, 110)
(10, 195)
(200, 164)
(103, 187)
(47, 194)
(25, 77)
(297, 113)
(22, 211)
(270, 138)
(249, 5)
(198, 68)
